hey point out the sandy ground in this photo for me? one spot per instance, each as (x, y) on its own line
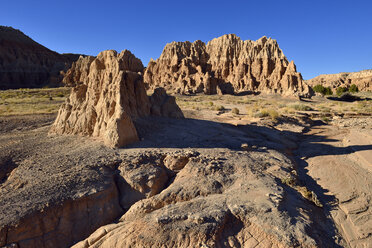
(333, 160)
(337, 163)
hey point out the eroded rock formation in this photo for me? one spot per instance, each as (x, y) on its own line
(26, 64)
(362, 79)
(78, 72)
(110, 94)
(225, 65)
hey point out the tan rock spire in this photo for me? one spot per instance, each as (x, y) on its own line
(109, 94)
(225, 64)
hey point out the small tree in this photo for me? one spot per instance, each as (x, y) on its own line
(341, 90)
(319, 88)
(353, 88)
(328, 91)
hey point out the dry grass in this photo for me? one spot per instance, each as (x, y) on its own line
(32, 101)
(274, 107)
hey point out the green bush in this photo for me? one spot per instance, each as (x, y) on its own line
(328, 91)
(319, 88)
(353, 88)
(341, 90)
(323, 90)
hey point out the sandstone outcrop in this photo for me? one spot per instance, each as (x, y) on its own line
(26, 64)
(225, 65)
(362, 79)
(78, 71)
(216, 202)
(109, 95)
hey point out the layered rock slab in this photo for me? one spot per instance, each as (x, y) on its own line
(225, 65)
(110, 94)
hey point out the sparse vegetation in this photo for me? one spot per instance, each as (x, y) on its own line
(301, 107)
(303, 190)
(32, 101)
(268, 112)
(288, 181)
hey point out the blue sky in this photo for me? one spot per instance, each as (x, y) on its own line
(320, 36)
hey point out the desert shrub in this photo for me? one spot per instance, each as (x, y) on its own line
(319, 88)
(301, 107)
(262, 113)
(235, 111)
(328, 91)
(288, 181)
(220, 108)
(341, 90)
(325, 119)
(353, 88)
(268, 112)
(323, 90)
(273, 114)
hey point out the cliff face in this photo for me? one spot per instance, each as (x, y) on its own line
(26, 64)
(362, 79)
(225, 65)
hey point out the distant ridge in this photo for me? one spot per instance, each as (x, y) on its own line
(362, 79)
(24, 63)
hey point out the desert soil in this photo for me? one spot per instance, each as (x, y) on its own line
(212, 179)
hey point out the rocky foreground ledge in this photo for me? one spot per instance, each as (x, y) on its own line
(188, 183)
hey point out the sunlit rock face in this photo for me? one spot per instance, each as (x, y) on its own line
(109, 95)
(225, 65)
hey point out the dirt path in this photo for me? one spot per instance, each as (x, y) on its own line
(337, 164)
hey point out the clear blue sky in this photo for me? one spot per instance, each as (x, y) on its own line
(320, 36)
